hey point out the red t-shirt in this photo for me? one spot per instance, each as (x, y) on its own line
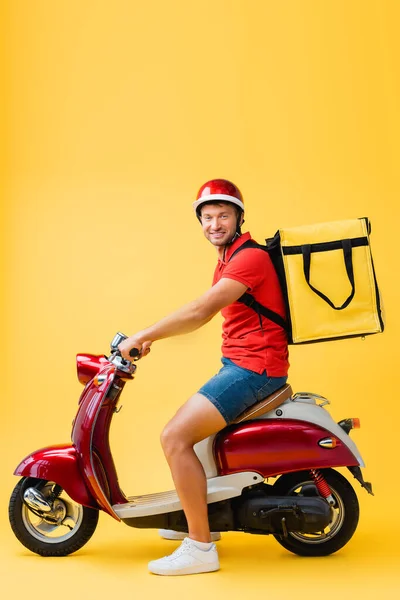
(243, 340)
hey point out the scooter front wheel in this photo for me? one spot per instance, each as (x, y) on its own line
(344, 513)
(59, 532)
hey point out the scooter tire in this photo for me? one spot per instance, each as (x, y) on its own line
(347, 516)
(84, 530)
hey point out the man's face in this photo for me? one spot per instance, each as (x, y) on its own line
(219, 223)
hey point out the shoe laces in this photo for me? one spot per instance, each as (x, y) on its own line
(185, 545)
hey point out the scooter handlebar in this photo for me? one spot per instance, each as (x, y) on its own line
(118, 338)
(134, 353)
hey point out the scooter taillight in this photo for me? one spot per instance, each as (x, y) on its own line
(88, 365)
(348, 424)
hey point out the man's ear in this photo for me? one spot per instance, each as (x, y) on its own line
(241, 220)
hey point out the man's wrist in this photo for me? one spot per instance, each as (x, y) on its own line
(141, 337)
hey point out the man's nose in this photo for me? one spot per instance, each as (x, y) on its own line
(215, 223)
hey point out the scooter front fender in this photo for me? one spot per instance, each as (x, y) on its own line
(59, 464)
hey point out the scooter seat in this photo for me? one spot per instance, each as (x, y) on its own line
(269, 403)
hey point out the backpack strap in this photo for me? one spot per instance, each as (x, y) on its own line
(251, 302)
(248, 244)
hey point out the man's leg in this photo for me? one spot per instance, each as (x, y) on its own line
(196, 420)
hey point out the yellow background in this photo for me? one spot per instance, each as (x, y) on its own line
(114, 115)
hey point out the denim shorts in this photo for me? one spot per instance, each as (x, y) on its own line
(234, 389)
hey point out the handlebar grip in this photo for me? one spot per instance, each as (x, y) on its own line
(134, 352)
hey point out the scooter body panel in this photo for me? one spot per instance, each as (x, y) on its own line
(306, 409)
(83, 433)
(273, 447)
(205, 453)
(59, 464)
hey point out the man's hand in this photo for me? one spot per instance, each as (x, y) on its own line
(134, 342)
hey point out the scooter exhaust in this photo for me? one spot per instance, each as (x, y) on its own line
(35, 500)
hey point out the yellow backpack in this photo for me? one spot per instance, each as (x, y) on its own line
(328, 281)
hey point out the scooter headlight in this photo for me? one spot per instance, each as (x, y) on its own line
(88, 366)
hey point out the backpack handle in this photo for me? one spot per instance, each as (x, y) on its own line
(348, 261)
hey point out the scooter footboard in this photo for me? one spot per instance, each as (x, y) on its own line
(59, 464)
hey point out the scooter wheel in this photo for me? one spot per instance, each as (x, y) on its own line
(59, 533)
(345, 514)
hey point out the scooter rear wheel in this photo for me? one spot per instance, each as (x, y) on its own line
(345, 513)
(59, 533)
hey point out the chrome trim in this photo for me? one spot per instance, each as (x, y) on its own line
(327, 443)
(35, 500)
(306, 396)
(99, 379)
(116, 359)
(117, 339)
(122, 365)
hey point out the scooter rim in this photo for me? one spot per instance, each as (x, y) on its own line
(32, 528)
(337, 524)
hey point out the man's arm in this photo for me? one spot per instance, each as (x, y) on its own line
(190, 317)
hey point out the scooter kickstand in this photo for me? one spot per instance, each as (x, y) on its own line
(284, 528)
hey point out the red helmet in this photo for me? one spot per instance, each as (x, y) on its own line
(218, 190)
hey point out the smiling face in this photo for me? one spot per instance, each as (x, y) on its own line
(219, 222)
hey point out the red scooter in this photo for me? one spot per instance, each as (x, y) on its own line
(310, 509)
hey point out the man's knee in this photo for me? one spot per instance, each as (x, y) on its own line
(173, 441)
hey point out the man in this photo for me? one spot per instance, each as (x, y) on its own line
(255, 363)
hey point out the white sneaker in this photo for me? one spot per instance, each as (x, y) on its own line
(188, 559)
(171, 534)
